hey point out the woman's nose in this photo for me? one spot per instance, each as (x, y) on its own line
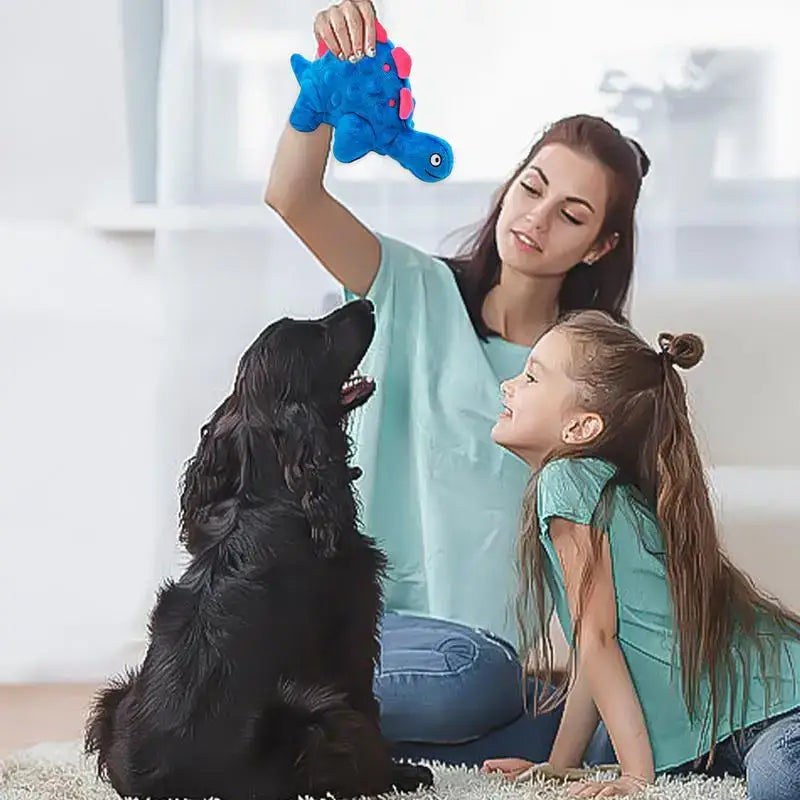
(537, 217)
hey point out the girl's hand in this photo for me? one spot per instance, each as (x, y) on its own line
(624, 786)
(348, 29)
(519, 769)
(509, 767)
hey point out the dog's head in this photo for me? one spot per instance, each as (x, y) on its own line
(283, 424)
(309, 363)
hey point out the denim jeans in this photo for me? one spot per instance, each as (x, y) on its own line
(767, 755)
(452, 693)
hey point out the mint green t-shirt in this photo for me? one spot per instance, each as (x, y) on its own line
(441, 499)
(571, 488)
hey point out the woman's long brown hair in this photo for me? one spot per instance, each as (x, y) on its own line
(605, 284)
(648, 437)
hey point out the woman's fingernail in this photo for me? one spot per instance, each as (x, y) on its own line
(352, 59)
(371, 52)
(359, 55)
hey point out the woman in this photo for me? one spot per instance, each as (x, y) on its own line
(439, 497)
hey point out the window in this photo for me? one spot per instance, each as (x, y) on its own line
(710, 93)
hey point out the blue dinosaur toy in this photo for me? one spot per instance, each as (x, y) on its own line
(370, 106)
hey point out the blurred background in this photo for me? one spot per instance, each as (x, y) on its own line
(138, 260)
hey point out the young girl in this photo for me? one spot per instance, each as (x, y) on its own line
(689, 666)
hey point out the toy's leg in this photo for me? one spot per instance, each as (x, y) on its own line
(304, 117)
(353, 139)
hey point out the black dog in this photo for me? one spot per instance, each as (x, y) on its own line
(257, 682)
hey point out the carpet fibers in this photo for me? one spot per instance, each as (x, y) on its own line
(58, 771)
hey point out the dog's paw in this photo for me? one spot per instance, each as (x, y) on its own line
(410, 777)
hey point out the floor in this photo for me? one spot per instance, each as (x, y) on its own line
(31, 713)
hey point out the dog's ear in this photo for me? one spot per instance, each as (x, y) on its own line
(210, 476)
(234, 460)
(313, 471)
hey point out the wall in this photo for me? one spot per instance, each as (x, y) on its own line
(94, 425)
(79, 323)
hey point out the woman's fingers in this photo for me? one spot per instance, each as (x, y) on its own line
(355, 29)
(348, 29)
(339, 25)
(324, 31)
(368, 16)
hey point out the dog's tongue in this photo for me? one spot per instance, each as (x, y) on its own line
(355, 388)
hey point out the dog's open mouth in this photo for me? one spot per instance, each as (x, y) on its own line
(356, 390)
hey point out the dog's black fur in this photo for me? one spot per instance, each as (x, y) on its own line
(257, 682)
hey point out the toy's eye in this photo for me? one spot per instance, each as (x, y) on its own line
(436, 159)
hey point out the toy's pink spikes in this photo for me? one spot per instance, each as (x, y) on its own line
(322, 48)
(380, 33)
(406, 103)
(402, 60)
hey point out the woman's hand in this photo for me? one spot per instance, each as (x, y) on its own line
(348, 29)
(624, 786)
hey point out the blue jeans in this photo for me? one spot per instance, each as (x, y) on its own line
(767, 755)
(453, 694)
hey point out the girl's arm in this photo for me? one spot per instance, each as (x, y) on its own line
(599, 655)
(578, 723)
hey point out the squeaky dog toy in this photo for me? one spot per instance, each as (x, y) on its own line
(370, 107)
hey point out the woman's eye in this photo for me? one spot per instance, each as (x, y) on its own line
(571, 219)
(530, 377)
(530, 189)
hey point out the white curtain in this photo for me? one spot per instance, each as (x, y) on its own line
(709, 90)
(710, 93)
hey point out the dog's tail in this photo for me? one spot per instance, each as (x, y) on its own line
(99, 731)
(335, 748)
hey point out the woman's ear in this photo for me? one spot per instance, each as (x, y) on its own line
(601, 248)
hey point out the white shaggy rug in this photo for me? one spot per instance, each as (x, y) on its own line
(58, 771)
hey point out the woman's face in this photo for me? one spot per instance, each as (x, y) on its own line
(552, 213)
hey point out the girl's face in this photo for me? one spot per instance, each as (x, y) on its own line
(552, 213)
(540, 406)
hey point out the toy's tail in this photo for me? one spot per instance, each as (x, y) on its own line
(299, 66)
